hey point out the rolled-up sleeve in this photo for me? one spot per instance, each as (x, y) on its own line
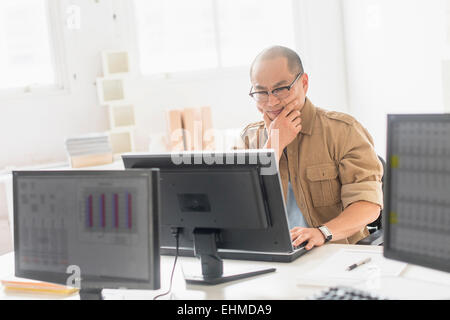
(360, 170)
(252, 137)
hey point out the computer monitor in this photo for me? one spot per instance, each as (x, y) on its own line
(89, 229)
(232, 202)
(417, 200)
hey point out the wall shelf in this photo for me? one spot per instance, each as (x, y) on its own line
(112, 92)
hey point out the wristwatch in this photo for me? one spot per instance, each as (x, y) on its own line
(326, 233)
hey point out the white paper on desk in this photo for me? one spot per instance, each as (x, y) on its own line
(333, 271)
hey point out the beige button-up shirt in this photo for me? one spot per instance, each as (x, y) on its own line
(331, 164)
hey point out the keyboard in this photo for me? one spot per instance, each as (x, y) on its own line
(345, 293)
(301, 245)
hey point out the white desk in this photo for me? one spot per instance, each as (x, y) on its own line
(414, 282)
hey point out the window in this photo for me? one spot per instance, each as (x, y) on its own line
(179, 35)
(25, 51)
(246, 27)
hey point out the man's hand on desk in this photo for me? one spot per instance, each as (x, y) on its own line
(313, 236)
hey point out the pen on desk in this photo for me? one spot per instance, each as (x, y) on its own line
(355, 265)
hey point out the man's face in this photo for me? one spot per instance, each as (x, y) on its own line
(270, 74)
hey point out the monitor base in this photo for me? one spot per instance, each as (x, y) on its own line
(201, 280)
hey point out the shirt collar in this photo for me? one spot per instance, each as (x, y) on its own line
(308, 116)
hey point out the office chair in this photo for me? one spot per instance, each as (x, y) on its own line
(375, 228)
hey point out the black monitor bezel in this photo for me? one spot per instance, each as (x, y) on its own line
(93, 281)
(388, 251)
(133, 161)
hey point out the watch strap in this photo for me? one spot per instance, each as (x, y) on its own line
(326, 233)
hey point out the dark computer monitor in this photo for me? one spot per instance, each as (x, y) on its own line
(417, 200)
(98, 226)
(232, 201)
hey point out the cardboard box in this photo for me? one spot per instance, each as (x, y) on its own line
(175, 130)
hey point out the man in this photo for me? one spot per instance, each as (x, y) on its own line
(330, 173)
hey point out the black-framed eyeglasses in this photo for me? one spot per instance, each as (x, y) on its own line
(281, 92)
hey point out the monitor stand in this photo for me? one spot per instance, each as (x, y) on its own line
(205, 248)
(91, 294)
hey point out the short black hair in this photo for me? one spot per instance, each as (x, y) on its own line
(294, 62)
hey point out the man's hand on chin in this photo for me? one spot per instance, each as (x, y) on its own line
(284, 128)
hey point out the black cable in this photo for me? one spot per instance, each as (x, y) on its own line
(176, 233)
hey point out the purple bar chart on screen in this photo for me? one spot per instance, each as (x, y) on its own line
(109, 210)
(102, 211)
(116, 211)
(129, 211)
(90, 212)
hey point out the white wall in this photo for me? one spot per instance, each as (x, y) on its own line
(321, 46)
(33, 128)
(393, 55)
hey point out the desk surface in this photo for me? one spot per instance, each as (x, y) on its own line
(413, 283)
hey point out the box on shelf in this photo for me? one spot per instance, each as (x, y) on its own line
(122, 141)
(208, 130)
(190, 129)
(121, 116)
(115, 62)
(193, 128)
(175, 130)
(111, 90)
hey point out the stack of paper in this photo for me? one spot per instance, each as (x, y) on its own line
(89, 150)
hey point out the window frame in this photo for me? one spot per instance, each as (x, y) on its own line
(58, 59)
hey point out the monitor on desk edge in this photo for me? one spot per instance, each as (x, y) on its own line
(88, 229)
(417, 201)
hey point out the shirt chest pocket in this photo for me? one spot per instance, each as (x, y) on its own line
(324, 184)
